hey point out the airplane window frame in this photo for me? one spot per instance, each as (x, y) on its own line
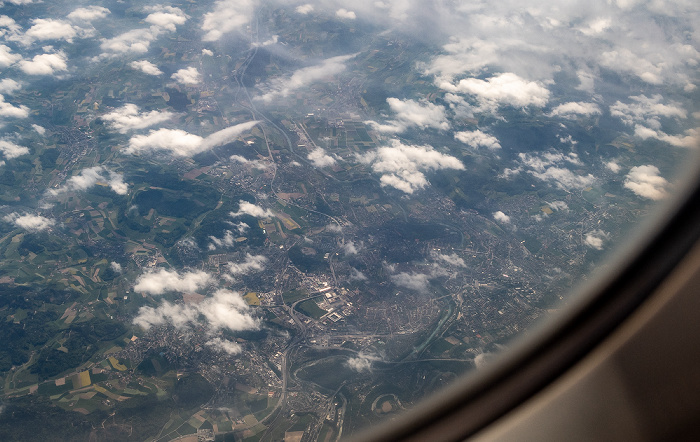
(546, 352)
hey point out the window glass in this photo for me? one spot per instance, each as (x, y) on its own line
(267, 220)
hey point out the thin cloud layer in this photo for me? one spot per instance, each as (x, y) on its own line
(250, 264)
(280, 88)
(646, 182)
(228, 16)
(128, 118)
(184, 144)
(157, 282)
(402, 166)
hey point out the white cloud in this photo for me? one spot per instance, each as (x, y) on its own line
(422, 114)
(40, 130)
(356, 275)
(452, 259)
(690, 140)
(304, 9)
(89, 13)
(224, 310)
(501, 217)
(157, 282)
(227, 16)
(349, 248)
(188, 76)
(362, 362)
(227, 240)
(116, 266)
(8, 86)
(345, 14)
(91, 176)
(501, 89)
(128, 117)
(7, 57)
(305, 76)
(402, 166)
(595, 239)
(8, 110)
(225, 346)
(45, 64)
(180, 143)
(612, 166)
(49, 29)
(646, 110)
(246, 208)
(319, 158)
(166, 17)
(558, 205)
(413, 281)
(11, 150)
(549, 167)
(478, 139)
(646, 182)
(251, 263)
(207, 52)
(573, 109)
(257, 164)
(146, 67)
(32, 223)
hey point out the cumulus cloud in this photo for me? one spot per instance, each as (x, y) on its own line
(8, 86)
(345, 14)
(304, 9)
(162, 19)
(157, 282)
(146, 67)
(91, 176)
(305, 76)
(8, 110)
(188, 76)
(362, 362)
(224, 310)
(32, 223)
(612, 166)
(228, 240)
(558, 205)
(574, 109)
(227, 16)
(116, 266)
(49, 29)
(180, 143)
(356, 275)
(320, 158)
(246, 208)
(549, 167)
(501, 89)
(422, 114)
(257, 164)
(452, 259)
(402, 166)
(595, 239)
(89, 13)
(251, 263)
(349, 248)
(691, 138)
(501, 217)
(166, 17)
(128, 117)
(413, 281)
(7, 57)
(478, 139)
(40, 130)
(646, 182)
(646, 110)
(11, 150)
(225, 346)
(44, 64)
(208, 52)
